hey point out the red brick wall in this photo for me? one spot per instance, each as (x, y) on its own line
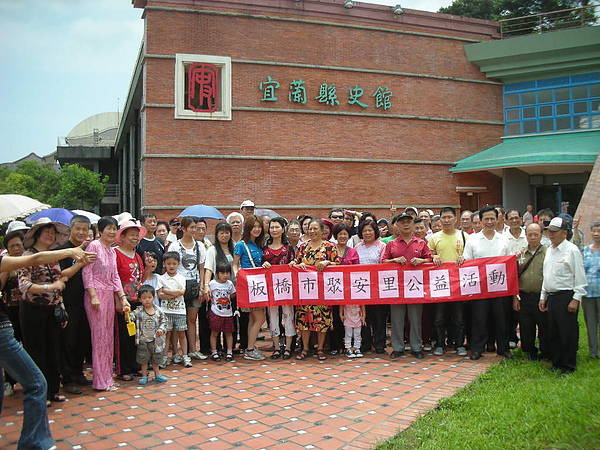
(181, 181)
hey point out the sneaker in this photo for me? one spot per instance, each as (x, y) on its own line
(197, 355)
(461, 351)
(229, 357)
(439, 351)
(349, 353)
(427, 347)
(160, 379)
(254, 355)
(143, 380)
(512, 344)
(358, 354)
(216, 357)
(177, 359)
(9, 391)
(187, 361)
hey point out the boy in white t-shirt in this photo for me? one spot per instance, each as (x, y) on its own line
(171, 287)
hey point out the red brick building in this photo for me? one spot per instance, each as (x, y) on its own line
(316, 105)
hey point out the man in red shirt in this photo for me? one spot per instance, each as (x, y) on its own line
(406, 249)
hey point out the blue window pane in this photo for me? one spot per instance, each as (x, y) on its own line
(528, 98)
(513, 128)
(545, 111)
(529, 113)
(512, 100)
(530, 126)
(580, 92)
(563, 123)
(512, 114)
(562, 94)
(580, 107)
(563, 109)
(545, 96)
(546, 125)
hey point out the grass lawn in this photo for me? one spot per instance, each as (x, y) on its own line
(517, 404)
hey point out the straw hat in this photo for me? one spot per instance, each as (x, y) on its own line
(62, 233)
(126, 226)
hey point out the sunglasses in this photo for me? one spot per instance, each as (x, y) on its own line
(337, 217)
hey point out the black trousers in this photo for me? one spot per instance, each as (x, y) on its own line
(480, 311)
(374, 333)
(449, 322)
(75, 341)
(563, 331)
(204, 329)
(533, 322)
(40, 339)
(125, 345)
(336, 335)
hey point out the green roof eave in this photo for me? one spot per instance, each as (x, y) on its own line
(565, 148)
(537, 56)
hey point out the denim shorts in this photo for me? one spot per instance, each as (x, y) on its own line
(177, 321)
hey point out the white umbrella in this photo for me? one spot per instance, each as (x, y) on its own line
(14, 206)
(94, 218)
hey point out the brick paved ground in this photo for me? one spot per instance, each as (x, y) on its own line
(337, 403)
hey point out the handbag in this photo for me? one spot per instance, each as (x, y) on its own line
(192, 287)
(131, 330)
(60, 313)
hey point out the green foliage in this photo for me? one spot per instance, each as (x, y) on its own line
(509, 9)
(80, 188)
(517, 404)
(74, 187)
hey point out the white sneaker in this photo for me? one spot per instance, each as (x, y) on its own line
(187, 361)
(358, 354)
(8, 389)
(439, 351)
(461, 351)
(512, 345)
(197, 355)
(177, 359)
(349, 353)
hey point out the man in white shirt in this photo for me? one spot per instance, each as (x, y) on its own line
(562, 289)
(486, 244)
(528, 216)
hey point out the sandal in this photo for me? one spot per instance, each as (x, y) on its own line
(58, 398)
(302, 355)
(287, 354)
(276, 354)
(321, 355)
(216, 357)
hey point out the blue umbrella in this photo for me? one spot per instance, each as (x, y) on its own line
(202, 211)
(54, 214)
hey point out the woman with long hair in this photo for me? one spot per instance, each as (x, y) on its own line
(246, 255)
(278, 251)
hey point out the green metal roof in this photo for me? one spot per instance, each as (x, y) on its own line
(564, 148)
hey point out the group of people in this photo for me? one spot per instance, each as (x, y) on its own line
(178, 288)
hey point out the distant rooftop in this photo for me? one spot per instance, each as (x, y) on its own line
(98, 130)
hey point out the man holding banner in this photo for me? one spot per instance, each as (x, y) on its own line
(406, 249)
(485, 244)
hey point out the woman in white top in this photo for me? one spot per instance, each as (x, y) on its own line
(193, 255)
(369, 251)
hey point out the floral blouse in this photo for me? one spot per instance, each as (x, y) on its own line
(44, 274)
(311, 256)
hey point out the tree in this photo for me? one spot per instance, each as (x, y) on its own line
(80, 187)
(510, 9)
(74, 187)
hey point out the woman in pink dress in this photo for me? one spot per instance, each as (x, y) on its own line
(103, 294)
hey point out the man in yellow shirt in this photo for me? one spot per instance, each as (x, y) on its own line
(448, 245)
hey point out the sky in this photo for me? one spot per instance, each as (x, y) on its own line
(62, 61)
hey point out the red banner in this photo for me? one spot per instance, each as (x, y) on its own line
(373, 284)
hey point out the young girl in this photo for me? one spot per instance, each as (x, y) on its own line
(150, 278)
(222, 310)
(353, 317)
(151, 325)
(278, 251)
